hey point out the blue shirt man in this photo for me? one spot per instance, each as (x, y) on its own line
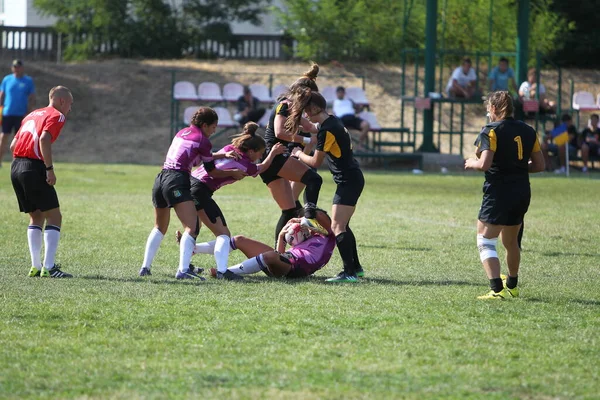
(502, 77)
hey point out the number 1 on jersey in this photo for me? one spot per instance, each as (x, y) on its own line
(519, 147)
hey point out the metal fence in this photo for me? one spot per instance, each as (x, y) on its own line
(31, 43)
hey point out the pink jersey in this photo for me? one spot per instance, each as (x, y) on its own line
(189, 148)
(224, 164)
(311, 255)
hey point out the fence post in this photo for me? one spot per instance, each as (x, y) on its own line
(59, 49)
(271, 83)
(173, 106)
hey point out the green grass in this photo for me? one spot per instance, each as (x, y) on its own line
(412, 329)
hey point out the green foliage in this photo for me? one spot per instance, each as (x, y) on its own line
(378, 29)
(412, 329)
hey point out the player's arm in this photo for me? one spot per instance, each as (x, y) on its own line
(308, 126)
(275, 151)
(483, 163)
(46, 149)
(236, 174)
(282, 134)
(537, 162)
(313, 161)
(281, 240)
(229, 154)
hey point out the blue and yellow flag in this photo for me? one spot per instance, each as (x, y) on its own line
(560, 134)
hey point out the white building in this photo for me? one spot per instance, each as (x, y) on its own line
(22, 13)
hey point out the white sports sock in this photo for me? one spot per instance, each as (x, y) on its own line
(205, 248)
(34, 238)
(186, 249)
(250, 266)
(51, 238)
(222, 253)
(152, 244)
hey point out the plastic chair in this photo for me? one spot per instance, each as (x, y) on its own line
(232, 91)
(328, 92)
(188, 113)
(261, 92)
(584, 101)
(264, 121)
(278, 90)
(358, 96)
(225, 119)
(184, 90)
(371, 119)
(209, 91)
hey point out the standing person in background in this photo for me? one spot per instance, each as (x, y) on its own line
(505, 147)
(17, 98)
(33, 179)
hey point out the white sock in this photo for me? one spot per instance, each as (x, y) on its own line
(205, 248)
(152, 245)
(250, 266)
(222, 252)
(186, 249)
(51, 238)
(34, 238)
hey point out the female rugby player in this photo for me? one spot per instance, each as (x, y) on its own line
(250, 148)
(189, 148)
(333, 141)
(507, 150)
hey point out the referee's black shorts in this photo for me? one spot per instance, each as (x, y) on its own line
(504, 203)
(28, 178)
(349, 188)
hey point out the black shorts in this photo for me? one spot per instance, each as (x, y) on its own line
(203, 200)
(349, 188)
(351, 121)
(29, 181)
(11, 124)
(504, 203)
(271, 174)
(171, 187)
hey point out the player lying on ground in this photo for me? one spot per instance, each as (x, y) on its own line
(505, 147)
(302, 259)
(190, 147)
(249, 148)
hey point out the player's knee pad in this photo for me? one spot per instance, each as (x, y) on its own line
(486, 247)
(311, 178)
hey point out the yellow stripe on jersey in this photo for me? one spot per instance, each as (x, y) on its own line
(492, 136)
(278, 108)
(536, 145)
(331, 145)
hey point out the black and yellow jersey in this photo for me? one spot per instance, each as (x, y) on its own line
(512, 142)
(281, 108)
(334, 139)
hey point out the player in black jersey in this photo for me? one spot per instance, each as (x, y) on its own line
(333, 141)
(507, 150)
(288, 168)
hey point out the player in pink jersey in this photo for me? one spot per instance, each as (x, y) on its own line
(189, 148)
(300, 261)
(33, 179)
(250, 148)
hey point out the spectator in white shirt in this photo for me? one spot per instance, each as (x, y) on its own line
(345, 110)
(462, 82)
(528, 91)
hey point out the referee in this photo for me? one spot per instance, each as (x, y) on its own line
(33, 179)
(507, 150)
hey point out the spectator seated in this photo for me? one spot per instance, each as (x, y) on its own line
(248, 107)
(345, 109)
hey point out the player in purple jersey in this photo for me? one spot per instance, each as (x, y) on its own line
(250, 148)
(189, 148)
(300, 261)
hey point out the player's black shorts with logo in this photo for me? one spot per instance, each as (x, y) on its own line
(28, 178)
(505, 203)
(11, 123)
(203, 200)
(171, 187)
(271, 173)
(349, 187)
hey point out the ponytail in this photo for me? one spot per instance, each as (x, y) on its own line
(248, 139)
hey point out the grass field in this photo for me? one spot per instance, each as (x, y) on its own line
(411, 329)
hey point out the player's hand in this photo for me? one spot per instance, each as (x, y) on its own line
(296, 151)
(278, 149)
(51, 177)
(233, 154)
(470, 163)
(238, 174)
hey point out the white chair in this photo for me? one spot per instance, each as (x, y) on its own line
(184, 90)
(584, 101)
(358, 96)
(278, 90)
(264, 121)
(371, 119)
(188, 113)
(225, 119)
(261, 92)
(328, 92)
(232, 91)
(598, 100)
(209, 91)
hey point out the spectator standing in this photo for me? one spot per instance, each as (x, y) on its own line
(17, 96)
(502, 77)
(248, 108)
(345, 109)
(462, 81)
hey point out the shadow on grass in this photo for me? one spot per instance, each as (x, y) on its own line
(566, 253)
(137, 279)
(396, 247)
(381, 281)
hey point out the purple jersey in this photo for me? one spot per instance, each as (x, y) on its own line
(224, 164)
(311, 255)
(188, 149)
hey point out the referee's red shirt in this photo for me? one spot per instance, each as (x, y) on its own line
(28, 137)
